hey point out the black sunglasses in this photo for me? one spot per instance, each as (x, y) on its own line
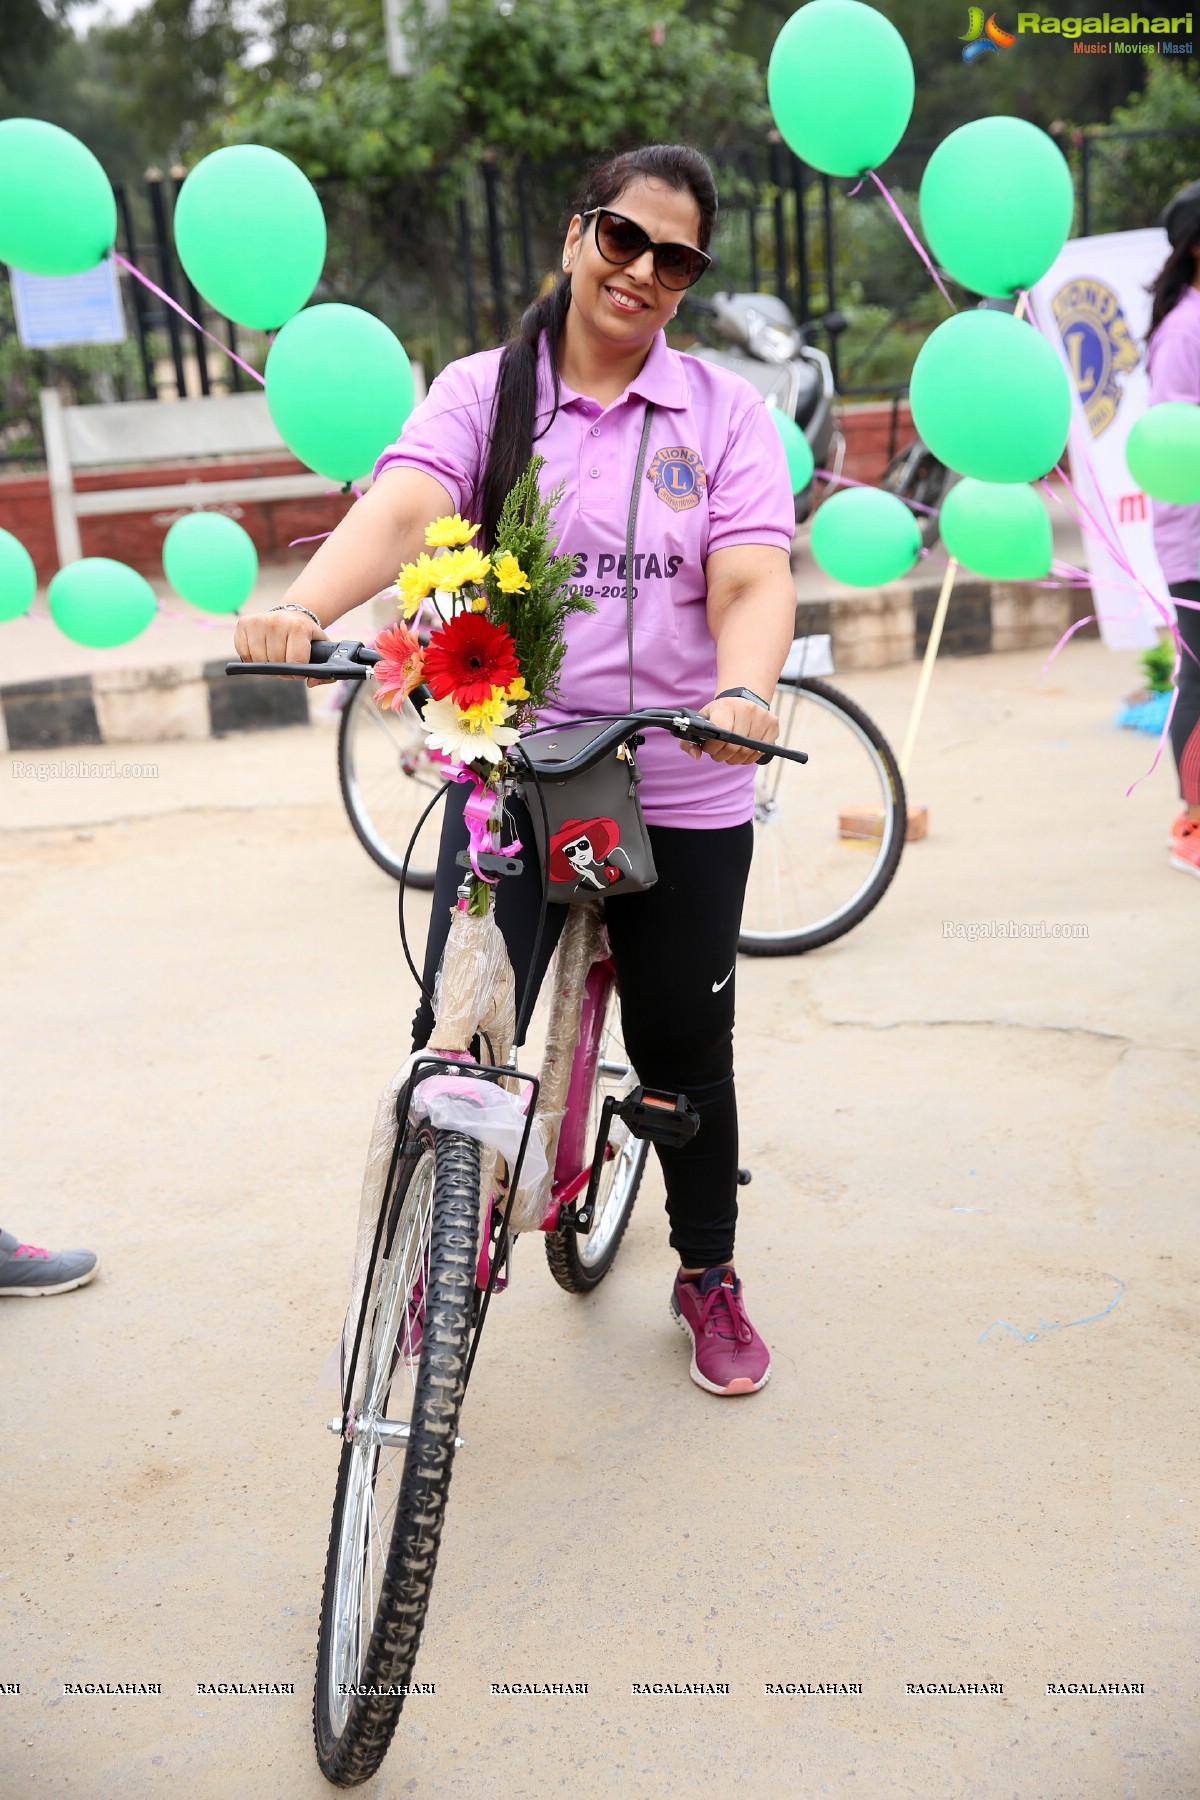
(620, 240)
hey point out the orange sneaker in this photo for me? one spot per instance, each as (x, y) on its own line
(1185, 844)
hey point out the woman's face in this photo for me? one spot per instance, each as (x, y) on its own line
(626, 305)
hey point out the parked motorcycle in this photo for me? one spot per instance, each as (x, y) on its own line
(757, 337)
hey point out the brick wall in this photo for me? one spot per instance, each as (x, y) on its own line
(867, 431)
(137, 537)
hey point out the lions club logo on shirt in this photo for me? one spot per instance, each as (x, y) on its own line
(678, 477)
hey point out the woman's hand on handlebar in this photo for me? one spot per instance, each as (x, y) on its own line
(281, 636)
(742, 716)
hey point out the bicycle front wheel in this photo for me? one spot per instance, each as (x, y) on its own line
(387, 779)
(395, 1470)
(828, 834)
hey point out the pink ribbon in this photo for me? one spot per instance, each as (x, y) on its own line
(913, 239)
(194, 323)
(827, 475)
(478, 812)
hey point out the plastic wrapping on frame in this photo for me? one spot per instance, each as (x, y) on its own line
(479, 997)
(582, 943)
(379, 1158)
(474, 991)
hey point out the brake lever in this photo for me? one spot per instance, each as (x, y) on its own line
(337, 665)
(696, 729)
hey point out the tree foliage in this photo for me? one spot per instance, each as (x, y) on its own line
(30, 33)
(172, 63)
(536, 78)
(1132, 178)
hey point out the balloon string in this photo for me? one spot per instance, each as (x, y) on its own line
(194, 323)
(913, 239)
(849, 481)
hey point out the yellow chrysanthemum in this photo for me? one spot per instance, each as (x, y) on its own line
(479, 603)
(485, 715)
(510, 576)
(460, 738)
(461, 568)
(516, 690)
(416, 582)
(447, 533)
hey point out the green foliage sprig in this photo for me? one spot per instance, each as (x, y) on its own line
(536, 617)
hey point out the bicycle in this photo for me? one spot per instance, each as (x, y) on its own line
(809, 883)
(439, 1212)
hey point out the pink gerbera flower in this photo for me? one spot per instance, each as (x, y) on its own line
(402, 666)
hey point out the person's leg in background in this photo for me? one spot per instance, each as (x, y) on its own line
(675, 950)
(1185, 733)
(26, 1269)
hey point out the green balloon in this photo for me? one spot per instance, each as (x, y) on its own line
(997, 529)
(251, 234)
(99, 602)
(841, 85)
(58, 215)
(18, 577)
(339, 387)
(1163, 452)
(211, 561)
(865, 537)
(990, 397)
(996, 204)
(796, 448)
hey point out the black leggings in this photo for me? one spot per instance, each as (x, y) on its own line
(1185, 721)
(675, 949)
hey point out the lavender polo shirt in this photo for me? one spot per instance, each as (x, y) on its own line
(1174, 363)
(715, 476)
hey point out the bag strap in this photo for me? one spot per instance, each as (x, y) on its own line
(633, 510)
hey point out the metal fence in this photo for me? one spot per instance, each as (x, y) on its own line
(449, 266)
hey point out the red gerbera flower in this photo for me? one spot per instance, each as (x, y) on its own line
(468, 657)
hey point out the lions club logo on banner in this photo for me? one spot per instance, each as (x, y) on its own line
(678, 477)
(1099, 346)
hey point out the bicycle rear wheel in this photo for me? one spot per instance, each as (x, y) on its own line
(395, 1470)
(387, 779)
(579, 1262)
(809, 883)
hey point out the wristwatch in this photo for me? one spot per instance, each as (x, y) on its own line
(743, 694)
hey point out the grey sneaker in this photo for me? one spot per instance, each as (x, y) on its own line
(24, 1269)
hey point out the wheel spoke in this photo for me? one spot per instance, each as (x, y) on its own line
(805, 876)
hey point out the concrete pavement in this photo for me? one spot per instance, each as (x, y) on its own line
(961, 1145)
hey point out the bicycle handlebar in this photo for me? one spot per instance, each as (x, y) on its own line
(350, 661)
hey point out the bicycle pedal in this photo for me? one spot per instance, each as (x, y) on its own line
(662, 1118)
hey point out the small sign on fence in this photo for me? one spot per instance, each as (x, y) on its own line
(56, 310)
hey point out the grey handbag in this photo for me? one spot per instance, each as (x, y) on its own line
(597, 841)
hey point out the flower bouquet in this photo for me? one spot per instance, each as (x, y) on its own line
(493, 659)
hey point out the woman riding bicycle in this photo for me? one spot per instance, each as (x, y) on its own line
(713, 619)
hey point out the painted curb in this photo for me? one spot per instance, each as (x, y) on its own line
(869, 630)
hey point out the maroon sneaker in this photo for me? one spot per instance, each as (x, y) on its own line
(728, 1356)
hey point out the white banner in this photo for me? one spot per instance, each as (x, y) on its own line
(1094, 309)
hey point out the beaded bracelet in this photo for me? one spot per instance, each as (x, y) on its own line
(294, 606)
